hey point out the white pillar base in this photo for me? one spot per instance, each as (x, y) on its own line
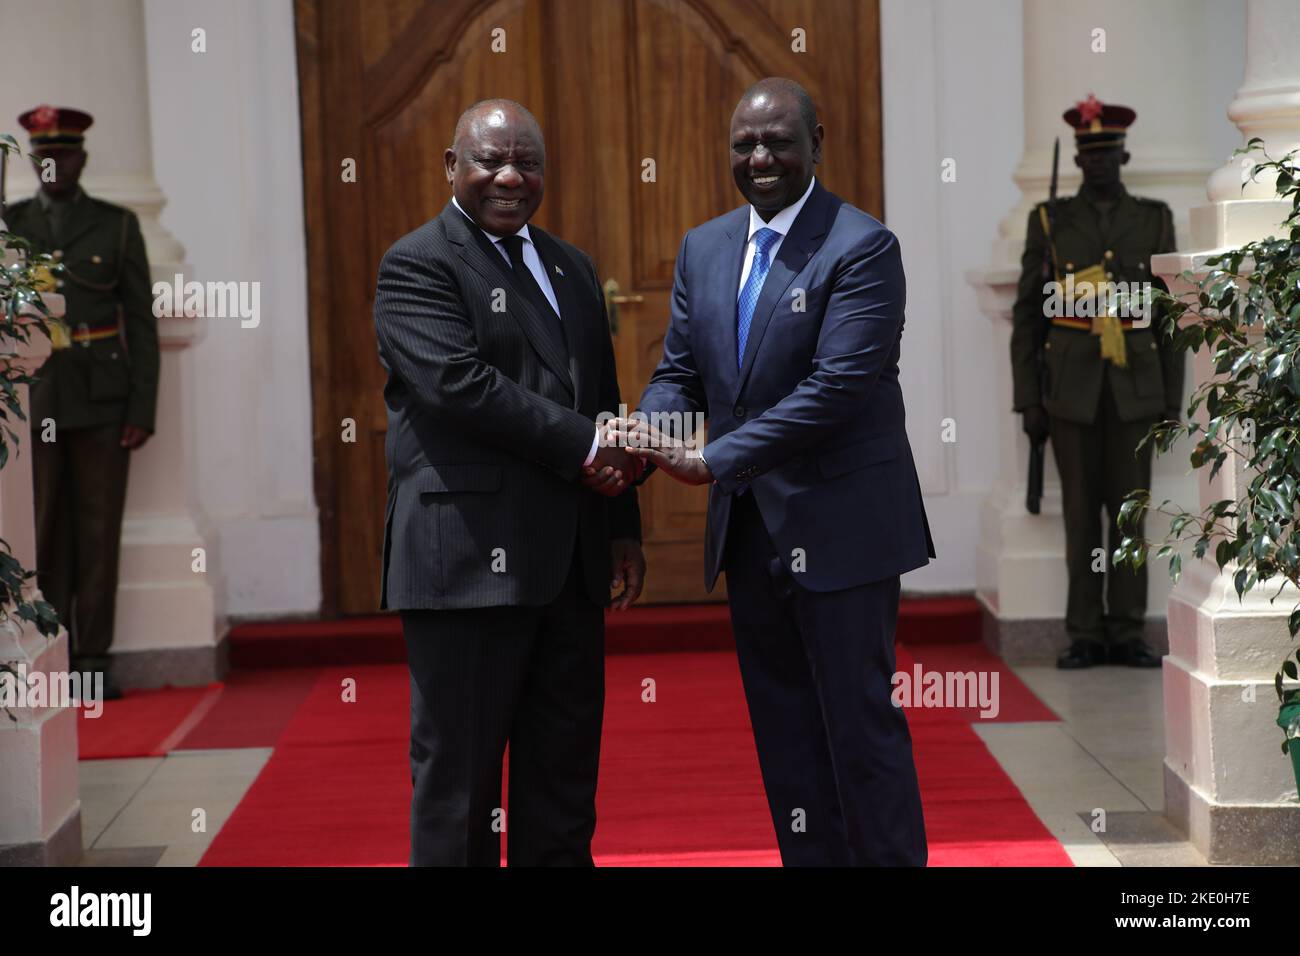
(166, 629)
(1229, 224)
(41, 822)
(1227, 783)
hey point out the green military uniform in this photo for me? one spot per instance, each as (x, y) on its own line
(101, 376)
(1099, 408)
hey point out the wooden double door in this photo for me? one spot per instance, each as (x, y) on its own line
(635, 100)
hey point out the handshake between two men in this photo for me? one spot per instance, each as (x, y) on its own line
(628, 446)
(626, 449)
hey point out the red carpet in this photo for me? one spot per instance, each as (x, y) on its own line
(679, 783)
(253, 709)
(1016, 702)
(679, 778)
(642, 630)
(144, 723)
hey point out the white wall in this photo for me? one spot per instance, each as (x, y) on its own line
(952, 89)
(227, 156)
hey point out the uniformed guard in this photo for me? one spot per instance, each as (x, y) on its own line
(1106, 374)
(93, 401)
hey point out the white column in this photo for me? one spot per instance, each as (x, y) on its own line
(41, 819)
(227, 154)
(1226, 781)
(165, 630)
(1174, 144)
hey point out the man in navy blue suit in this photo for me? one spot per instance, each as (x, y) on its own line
(787, 316)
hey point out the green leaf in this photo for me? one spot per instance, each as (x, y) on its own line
(1278, 365)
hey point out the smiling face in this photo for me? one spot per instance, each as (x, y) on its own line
(495, 168)
(773, 151)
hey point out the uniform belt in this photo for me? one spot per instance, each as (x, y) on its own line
(83, 334)
(1087, 324)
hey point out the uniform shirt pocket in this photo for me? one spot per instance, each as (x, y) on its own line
(95, 270)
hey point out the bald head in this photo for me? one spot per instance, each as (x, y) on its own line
(494, 112)
(777, 91)
(495, 165)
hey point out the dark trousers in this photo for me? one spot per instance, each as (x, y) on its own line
(79, 486)
(835, 754)
(1098, 468)
(533, 677)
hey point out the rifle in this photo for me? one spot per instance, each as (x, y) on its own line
(4, 168)
(1034, 486)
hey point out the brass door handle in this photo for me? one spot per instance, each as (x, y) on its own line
(613, 300)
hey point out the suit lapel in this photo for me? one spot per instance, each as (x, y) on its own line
(478, 252)
(730, 260)
(797, 248)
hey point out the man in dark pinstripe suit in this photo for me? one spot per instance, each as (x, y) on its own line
(506, 519)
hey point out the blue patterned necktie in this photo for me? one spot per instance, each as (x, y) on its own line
(753, 287)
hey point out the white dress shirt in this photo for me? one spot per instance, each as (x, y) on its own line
(780, 224)
(531, 258)
(534, 263)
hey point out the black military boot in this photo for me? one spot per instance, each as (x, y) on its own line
(111, 690)
(1133, 653)
(89, 667)
(1083, 652)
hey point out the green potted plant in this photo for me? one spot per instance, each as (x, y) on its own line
(23, 277)
(1246, 310)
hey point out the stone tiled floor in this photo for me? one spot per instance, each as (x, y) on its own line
(1095, 779)
(161, 811)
